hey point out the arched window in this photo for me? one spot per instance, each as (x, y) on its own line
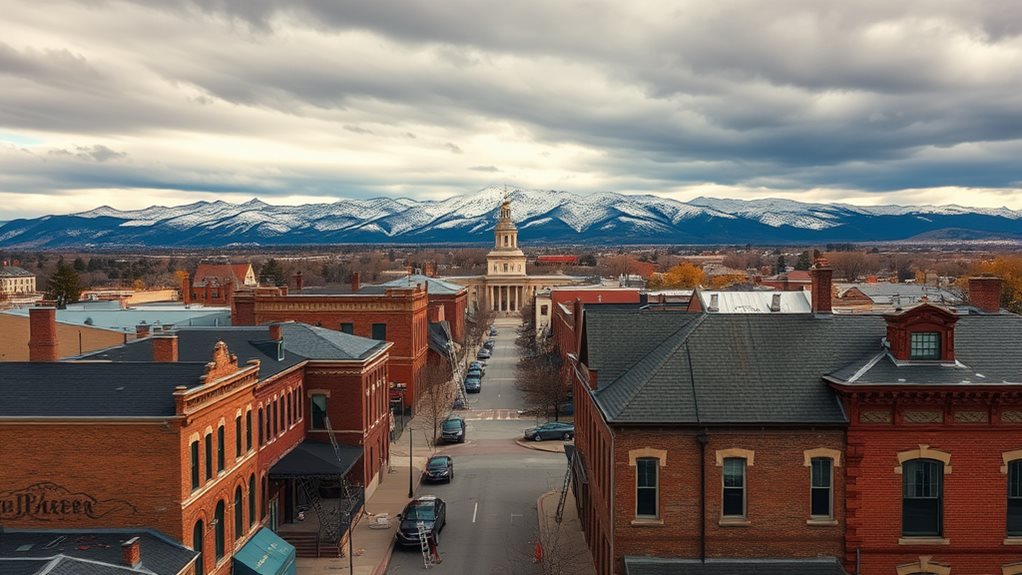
(290, 413)
(197, 533)
(219, 519)
(251, 499)
(220, 449)
(922, 498)
(239, 514)
(248, 430)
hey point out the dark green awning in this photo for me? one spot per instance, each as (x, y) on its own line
(265, 554)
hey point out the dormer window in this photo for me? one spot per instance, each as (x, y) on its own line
(925, 345)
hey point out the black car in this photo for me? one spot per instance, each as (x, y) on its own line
(493, 332)
(481, 366)
(453, 430)
(483, 354)
(473, 384)
(439, 468)
(488, 344)
(474, 372)
(429, 510)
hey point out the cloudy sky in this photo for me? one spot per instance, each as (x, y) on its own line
(170, 101)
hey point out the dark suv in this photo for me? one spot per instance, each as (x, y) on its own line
(429, 510)
(452, 430)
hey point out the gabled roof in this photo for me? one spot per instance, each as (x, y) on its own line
(434, 286)
(220, 274)
(89, 552)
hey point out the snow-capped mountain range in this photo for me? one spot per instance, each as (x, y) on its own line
(543, 216)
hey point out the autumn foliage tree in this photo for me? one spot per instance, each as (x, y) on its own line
(1009, 269)
(682, 276)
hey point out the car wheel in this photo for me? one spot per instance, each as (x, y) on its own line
(566, 437)
(537, 437)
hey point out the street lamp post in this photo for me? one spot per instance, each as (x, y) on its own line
(409, 463)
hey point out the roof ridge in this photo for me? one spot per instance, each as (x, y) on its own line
(672, 341)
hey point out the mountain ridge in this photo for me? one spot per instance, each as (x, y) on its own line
(544, 216)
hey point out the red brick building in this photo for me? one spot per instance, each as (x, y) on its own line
(215, 281)
(801, 442)
(397, 315)
(206, 452)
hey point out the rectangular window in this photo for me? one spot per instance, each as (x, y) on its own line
(380, 331)
(921, 504)
(348, 328)
(260, 420)
(209, 456)
(220, 449)
(318, 411)
(822, 483)
(237, 437)
(646, 487)
(734, 487)
(1015, 498)
(195, 465)
(925, 345)
(248, 430)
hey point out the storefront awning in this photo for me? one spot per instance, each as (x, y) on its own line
(265, 554)
(311, 459)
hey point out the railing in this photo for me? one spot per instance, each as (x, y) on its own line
(355, 505)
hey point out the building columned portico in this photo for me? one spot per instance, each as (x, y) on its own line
(505, 288)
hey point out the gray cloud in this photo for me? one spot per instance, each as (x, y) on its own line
(307, 97)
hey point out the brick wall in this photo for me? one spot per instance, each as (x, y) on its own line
(71, 339)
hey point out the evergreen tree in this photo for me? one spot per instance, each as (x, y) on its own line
(79, 265)
(804, 262)
(781, 266)
(64, 287)
(272, 273)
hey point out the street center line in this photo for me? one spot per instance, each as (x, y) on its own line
(475, 511)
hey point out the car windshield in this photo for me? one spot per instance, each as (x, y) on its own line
(420, 512)
(452, 425)
(438, 463)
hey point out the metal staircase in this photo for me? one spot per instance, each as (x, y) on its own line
(564, 488)
(459, 377)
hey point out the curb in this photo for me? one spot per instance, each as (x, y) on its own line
(537, 446)
(381, 567)
(542, 516)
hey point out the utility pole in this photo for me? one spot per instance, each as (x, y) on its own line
(409, 464)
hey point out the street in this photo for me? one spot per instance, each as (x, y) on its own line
(491, 503)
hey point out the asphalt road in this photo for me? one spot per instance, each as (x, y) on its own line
(491, 503)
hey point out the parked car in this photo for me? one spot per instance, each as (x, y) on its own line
(480, 365)
(493, 332)
(439, 468)
(474, 373)
(484, 354)
(488, 344)
(551, 430)
(473, 384)
(428, 509)
(453, 429)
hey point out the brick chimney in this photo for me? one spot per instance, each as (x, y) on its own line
(142, 330)
(822, 287)
(985, 293)
(276, 332)
(299, 281)
(436, 314)
(356, 282)
(42, 327)
(131, 552)
(165, 347)
(186, 289)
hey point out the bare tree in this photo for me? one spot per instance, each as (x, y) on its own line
(476, 328)
(437, 396)
(543, 381)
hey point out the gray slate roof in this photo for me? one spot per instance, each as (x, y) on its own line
(301, 342)
(84, 552)
(656, 366)
(62, 389)
(434, 286)
(15, 272)
(658, 566)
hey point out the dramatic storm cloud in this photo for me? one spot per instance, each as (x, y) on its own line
(135, 103)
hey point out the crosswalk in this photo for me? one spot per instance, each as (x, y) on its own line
(492, 414)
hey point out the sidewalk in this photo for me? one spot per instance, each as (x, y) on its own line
(373, 547)
(564, 546)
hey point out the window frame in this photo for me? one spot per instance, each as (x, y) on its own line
(237, 437)
(938, 479)
(220, 539)
(1014, 471)
(248, 430)
(198, 533)
(347, 327)
(239, 513)
(377, 334)
(312, 404)
(220, 450)
(654, 462)
(196, 475)
(209, 455)
(742, 488)
(251, 500)
(929, 356)
(813, 488)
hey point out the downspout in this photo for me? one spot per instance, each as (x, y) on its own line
(703, 438)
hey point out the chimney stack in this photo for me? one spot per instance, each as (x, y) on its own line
(42, 327)
(985, 293)
(356, 282)
(186, 289)
(131, 552)
(165, 347)
(436, 313)
(142, 330)
(822, 287)
(276, 332)
(299, 280)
